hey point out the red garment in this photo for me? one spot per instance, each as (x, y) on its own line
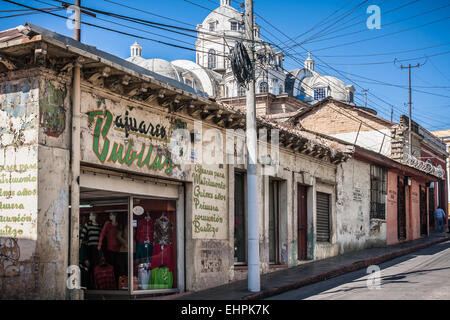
(104, 277)
(145, 230)
(163, 256)
(110, 230)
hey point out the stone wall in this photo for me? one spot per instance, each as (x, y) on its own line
(356, 230)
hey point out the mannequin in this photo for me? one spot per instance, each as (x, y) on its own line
(89, 237)
(109, 231)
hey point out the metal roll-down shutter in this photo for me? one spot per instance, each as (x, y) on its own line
(323, 217)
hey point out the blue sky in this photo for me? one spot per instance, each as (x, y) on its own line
(406, 25)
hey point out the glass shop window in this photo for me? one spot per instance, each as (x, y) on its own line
(154, 244)
(103, 255)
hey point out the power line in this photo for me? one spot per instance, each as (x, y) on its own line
(383, 54)
(393, 85)
(150, 13)
(105, 28)
(322, 22)
(389, 62)
(384, 24)
(364, 20)
(382, 36)
(30, 13)
(346, 14)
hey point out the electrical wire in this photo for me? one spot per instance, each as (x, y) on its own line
(150, 13)
(384, 25)
(382, 36)
(364, 20)
(384, 54)
(109, 29)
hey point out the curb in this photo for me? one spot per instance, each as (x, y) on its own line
(342, 270)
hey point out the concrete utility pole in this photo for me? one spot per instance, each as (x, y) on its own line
(410, 102)
(365, 98)
(77, 25)
(252, 179)
(75, 154)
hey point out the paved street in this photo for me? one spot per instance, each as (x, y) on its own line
(423, 274)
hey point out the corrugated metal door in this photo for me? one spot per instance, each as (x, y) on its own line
(401, 208)
(323, 217)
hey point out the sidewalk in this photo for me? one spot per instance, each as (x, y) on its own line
(295, 277)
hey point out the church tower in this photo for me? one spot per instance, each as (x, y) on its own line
(309, 63)
(136, 50)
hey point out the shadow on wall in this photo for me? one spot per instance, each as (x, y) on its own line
(17, 276)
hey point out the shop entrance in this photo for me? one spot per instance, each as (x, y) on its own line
(130, 244)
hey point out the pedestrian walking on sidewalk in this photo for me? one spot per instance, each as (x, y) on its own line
(440, 216)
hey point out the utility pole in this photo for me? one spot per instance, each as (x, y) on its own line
(409, 67)
(392, 113)
(75, 155)
(77, 24)
(252, 178)
(365, 98)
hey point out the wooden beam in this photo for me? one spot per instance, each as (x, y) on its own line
(7, 63)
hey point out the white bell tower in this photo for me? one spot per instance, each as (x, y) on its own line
(309, 63)
(136, 50)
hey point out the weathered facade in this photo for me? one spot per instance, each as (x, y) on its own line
(129, 173)
(408, 198)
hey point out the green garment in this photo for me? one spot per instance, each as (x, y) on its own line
(161, 278)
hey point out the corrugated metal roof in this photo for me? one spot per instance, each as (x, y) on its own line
(32, 29)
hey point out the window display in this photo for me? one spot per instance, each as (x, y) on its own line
(154, 262)
(103, 243)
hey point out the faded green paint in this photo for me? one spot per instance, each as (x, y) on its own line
(311, 244)
(294, 252)
(52, 115)
(100, 101)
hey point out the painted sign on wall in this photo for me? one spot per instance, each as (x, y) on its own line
(19, 107)
(125, 137)
(209, 220)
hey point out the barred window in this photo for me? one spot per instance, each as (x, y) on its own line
(263, 87)
(319, 93)
(211, 59)
(378, 192)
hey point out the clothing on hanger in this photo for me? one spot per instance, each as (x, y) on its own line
(163, 256)
(163, 231)
(145, 230)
